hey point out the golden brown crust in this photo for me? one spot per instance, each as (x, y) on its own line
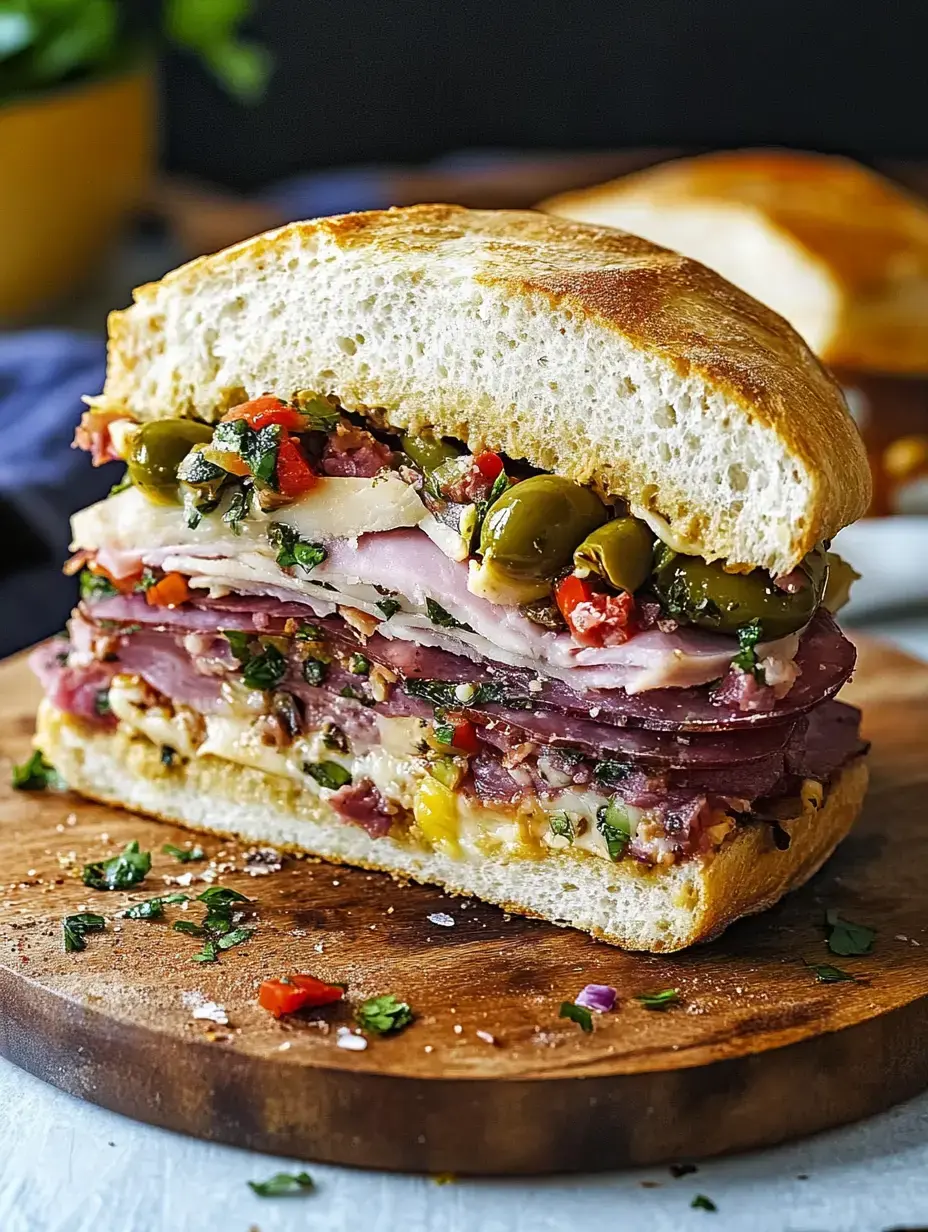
(747, 875)
(669, 308)
(870, 235)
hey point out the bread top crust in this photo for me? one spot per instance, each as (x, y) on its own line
(869, 236)
(625, 293)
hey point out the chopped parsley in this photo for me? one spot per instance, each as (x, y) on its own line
(609, 772)
(321, 415)
(220, 896)
(264, 670)
(153, 908)
(37, 774)
(612, 821)
(746, 658)
(184, 854)
(310, 633)
(334, 738)
(315, 671)
(327, 773)
(96, 586)
(661, 1000)
(256, 447)
(189, 927)
(283, 1185)
(445, 693)
(359, 665)
(444, 731)
(702, 1203)
(217, 925)
(236, 937)
(236, 510)
(75, 927)
(292, 550)
(209, 953)
(825, 973)
(389, 607)
(101, 702)
(239, 641)
(356, 695)
(562, 826)
(847, 939)
(384, 1015)
(578, 1014)
(444, 620)
(119, 873)
(146, 581)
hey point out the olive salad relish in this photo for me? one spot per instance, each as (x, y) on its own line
(552, 547)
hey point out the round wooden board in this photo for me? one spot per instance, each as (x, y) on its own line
(759, 1050)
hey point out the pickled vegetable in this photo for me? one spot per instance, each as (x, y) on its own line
(429, 452)
(621, 552)
(531, 531)
(156, 452)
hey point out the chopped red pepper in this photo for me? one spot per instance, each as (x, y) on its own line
(594, 617)
(465, 737)
(170, 591)
(125, 585)
(489, 464)
(260, 412)
(294, 474)
(297, 992)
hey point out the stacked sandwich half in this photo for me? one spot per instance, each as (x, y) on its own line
(483, 548)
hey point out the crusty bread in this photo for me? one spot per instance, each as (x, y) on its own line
(838, 250)
(659, 910)
(588, 352)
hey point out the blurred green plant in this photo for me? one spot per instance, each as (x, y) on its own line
(46, 42)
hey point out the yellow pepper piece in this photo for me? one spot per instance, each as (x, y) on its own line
(435, 808)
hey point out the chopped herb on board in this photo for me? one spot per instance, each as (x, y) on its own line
(209, 953)
(825, 973)
(119, 873)
(578, 1014)
(37, 774)
(219, 896)
(189, 927)
(185, 855)
(612, 821)
(384, 1015)
(746, 658)
(74, 927)
(661, 1000)
(444, 620)
(389, 607)
(236, 937)
(283, 1185)
(152, 908)
(702, 1203)
(845, 938)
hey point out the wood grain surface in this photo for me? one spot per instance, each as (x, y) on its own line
(757, 1051)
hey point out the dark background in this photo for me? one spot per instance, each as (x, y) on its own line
(406, 80)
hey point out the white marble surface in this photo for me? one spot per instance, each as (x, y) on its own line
(66, 1166)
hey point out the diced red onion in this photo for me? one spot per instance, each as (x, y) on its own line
(598, 997)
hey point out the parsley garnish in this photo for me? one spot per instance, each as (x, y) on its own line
(847, 939)
(389, 607)
(746, 658)
(75, 927)
(219, 896)
(209, 953)
(578, 1014)
(236, 937)
(189, 927)
(292, 550)
(610, 773)
(614, 825)
(283, 1184)
(37, 774)
(310, 633)
(327, 773)
(96, 586)
(236, 510)
(315, 671)
(265, 670)
(321, 415)
(442, 693)
(127, 869)
(239, 642)
(184, 854)
(217, 923)
(356, 695)
(661, 1000)
(702, 1203)
(825, 973)
(384, 1015)
(359, 665)
(153, 908)
(562, 826)
(444, 732)
(258, 448)
(444, 620)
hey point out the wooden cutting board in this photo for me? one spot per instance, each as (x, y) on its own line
(488, 1078)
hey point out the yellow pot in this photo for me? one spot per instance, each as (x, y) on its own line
(73, 163)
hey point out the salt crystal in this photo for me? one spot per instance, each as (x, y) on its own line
(458, 1029)
(486, 1037)
(201, 1007)
(347, 1039)
(442, 918)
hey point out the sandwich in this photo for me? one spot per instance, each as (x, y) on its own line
(482, 548)
(837, 249)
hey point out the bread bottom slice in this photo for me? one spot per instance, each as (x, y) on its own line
(628, 904)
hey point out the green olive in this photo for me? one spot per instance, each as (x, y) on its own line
(156, 452)
(698, 593)
(621, 552)
(428, 452)
(532, 529)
